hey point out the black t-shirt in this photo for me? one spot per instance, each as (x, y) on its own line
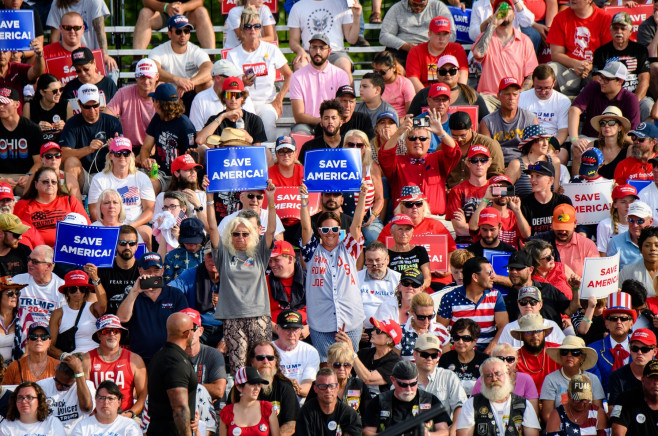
(420, 101)
(172, 139)
(538, 215)
(316, 143)
(170, 368)
(4, 402)
(117, 283)
(78, 133)
(608, 170)
(401, 411)
(402, 261)
(15, 261)
(56, 113)
(106, 87)
(252, 124)
(621, 380)
(635, 57)
(359, 121)
(384, 365)
(465, 371)
(554, 302)
(282, 398)
(18, 146)
(356, 395)
(633, 413)
(312, 421)
(477, 249)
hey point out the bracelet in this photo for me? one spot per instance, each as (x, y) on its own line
(210, 203)
(486, 200)
(375, 214)
(165, 8)
(132, 414)
(653, 60)
(442, 136)
(80, 374)
(304, 205)
(574, 138)
(63, 355)
(587, 320)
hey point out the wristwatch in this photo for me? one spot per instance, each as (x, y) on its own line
(96, 282)
(198, 209)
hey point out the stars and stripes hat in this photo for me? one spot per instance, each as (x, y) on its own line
(532, 132)
(411, 193)
(249, 374)
(108, 321)
(619, 302)
(590, 162)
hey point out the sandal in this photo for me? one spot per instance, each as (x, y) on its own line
(375, 18)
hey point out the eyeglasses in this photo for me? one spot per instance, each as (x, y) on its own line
(419, 138)
(574, 353)
(252, 26)
(48, 182)
(284, 151)
(412, 204)
(644, 350)
(325, 230)
(615, 318)
(52, 156)
(109, 398)
(547, 258)
(64, 387)
(426, 355)
(90, 106)
(490, 272)
(252, 196)
(68, 27)
(638, 221)
(338, 365)
(124, 153)
(446, 71)
(465, 338)
(355, 144)
(108, 332)
(318, 47)
(240, 234)
(171, 207)
(129, 243)
(325, 386)
(408, 283)
(382, 72)
(34, 337)
(193, 329)
(406, 385)
(13, 293)
(637, 138)
(262, 357)
(232, 94)
(524, 303)
(23, 398)
(425, 317)
(608, 122)
(36, 262)
(533, 332)
(497, 374)
(477, 160)
(508, 359)
(185, 30)
(55, 91)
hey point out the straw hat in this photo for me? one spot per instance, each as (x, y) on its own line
(230, 136)
(530, 323)
(611, 112)
(574, 343)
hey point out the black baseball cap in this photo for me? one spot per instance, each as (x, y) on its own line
(460, 121)
(345, 89)
(541, 167)
(289, 319)
(519, 260)
(414, 275)
(81, 56)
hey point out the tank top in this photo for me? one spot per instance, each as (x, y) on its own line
(57, 113)
(370, 193)
(118, 371)
(586, 428)
(86, 327)
(260, 429)
(522, 186)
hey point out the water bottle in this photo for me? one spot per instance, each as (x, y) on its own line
(502, 11)
(239, 124)
(153, 172)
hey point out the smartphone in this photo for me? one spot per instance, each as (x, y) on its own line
(151, 282)
(502, 191)
(350, 3)
(249, 72)
(421, 122)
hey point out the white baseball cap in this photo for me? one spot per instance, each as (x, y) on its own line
(146, 67)
(87, 93)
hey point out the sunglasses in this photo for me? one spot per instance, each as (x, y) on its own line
(90, 106)
(193, 329)
(124, 153)
(34, 336)
(107, 332)
(382, 72)
(608, 122)
(426, 355)
(547, 258)
(446, 71)
(252, 26)
(36, 262)
(508, 359)
(574, 353)
(185, 30)
(325, 386)
(380, 332)
(637, 138)
(124, 243)
(75, 290)
(524, 303)
(64, 387)
(232, 94)
(465, 338)
(337, 365)
(68, 27)
(419, 138)
(477, 160)
(325, 230)
(615, 318)
(238, 234)
(48, 182)
(284, 151)
(412, 204)
(408, 283)
(52, 156)
(13, 293)
(55, 91)
(406, 385)
(425, 317)
(262, 357)
(252, 196)
(644, 350)
(638, 221)
(533, 332)
(355, 144)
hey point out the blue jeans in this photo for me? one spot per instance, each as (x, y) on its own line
(323, 340)
(534, 36)
(371, 232)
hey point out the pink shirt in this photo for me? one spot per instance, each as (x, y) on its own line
(315, 86)
(517, 59)
(524, 387)
(398, 93)
(134, 112)
(574, 252)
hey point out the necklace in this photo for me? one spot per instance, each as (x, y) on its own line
(541, 366)
(37, 368)
(109, 359)
(571, 415)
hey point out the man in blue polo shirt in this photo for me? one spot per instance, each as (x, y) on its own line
(145, 311)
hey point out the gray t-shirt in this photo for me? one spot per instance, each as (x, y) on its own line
(209, 365)
(373, 113)
(646, 31)
(242, 284)
(509, 134)
(555, 387)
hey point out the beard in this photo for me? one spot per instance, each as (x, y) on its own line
(126, 255)
(335, 132)
(186, 184)
(636, 151)
(497, 391)
(406, 396)
(535, 349)
(6, 209)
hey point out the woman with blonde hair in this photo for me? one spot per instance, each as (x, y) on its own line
(234, 33)
(134, 188)
(110, 211)
(622, 197)
(421, 320)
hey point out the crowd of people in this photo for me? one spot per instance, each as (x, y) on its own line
(367, 308)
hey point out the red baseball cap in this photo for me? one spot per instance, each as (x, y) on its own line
(233, 84)
(476, 149)
(622, 191)
(501, 178)
(646, 336)
(390, 327)
(402, 220)
(439, 24)
(194, 315)
(76, 278)
(6, 191)
(439, 89)
(49, 146)
(490, 216)
(282, 247)
(184, 162)
(506, 82)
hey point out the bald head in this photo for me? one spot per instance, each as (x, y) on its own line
(177, 326)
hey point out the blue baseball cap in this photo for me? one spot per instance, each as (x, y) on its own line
(150, 259)
(165, 92)
(645, 130)
(178, 22)
(590, 161)
(388, 114)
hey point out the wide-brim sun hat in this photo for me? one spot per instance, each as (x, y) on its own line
(611, 112)
(574, 343)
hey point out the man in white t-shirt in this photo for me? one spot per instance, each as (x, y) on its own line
(299, 360)
(253, 200)
(377, 281)
(40, 298)
(329, 17)
(497, 399)
(106, 420)
(68, 393)
(549, 105)
(179, 61)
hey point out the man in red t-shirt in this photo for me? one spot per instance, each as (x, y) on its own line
(638, 165)
(533, 359)
(422, 66)
(72, 27)
(286, 283)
